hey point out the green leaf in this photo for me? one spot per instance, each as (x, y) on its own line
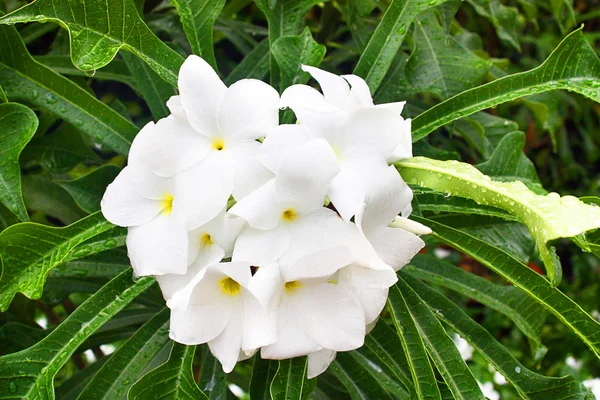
(527, 315)
(440, 202)
(255, 65)
(529, 384)
(414, 347)
(213, 380)
(26, 80)
(505, 19)
(16, 336)
(573, 66)
(172, 380)
(70, 389)
(360, 385)
(127, 364)
(262, 375)
(290, 381)
(17, 126)
(385, 42)
(29, 373)
(30, 250)
(521, 276)
(198, 18)
(98, 29)
(88, 190)
(439, 63)
(291, 52)
(440, 346)
(547, 217)
(3, 98)
(110, 239)
(46, 198)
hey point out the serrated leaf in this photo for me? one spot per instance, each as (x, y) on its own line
(88, 190)
(26, 80)
(30, 250)
(439, 63)
(17, 126)
(521, 276)
(127, 364)
(385, 42)
(530, 385)
(98, 29)
(29, 373)
(255, 65)
(440, 346)
(262, 375)
(573, 65)
(504, 19)
(414, 348)
(291, 52)
(547, 217)
(198, 18)
(172, 380)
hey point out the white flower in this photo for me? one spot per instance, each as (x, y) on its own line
(217, 308)
(212, 124)
(158, 212)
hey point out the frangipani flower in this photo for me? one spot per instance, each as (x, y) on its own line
(213, 124)
(159, 211)
(218, 308)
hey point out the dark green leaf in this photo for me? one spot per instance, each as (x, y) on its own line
(504, 19)
(213, 380)
(290, 381)
(88, 190)
(255, 65)
(70, 389)
(16, 336)
(360, 385)
(46, 197)
(262, 375)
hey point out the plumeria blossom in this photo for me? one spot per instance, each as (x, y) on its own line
(299, 262)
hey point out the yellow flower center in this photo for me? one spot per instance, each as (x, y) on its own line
(230, 287)
(167, 204)
(206, 240)
(289, 215)
(292, 286)
(218, 144)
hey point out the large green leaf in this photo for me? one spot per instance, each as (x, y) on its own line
(441, 202)
(172, 380)
(262, 375)
(213, 381)
(385, 42)
(504, 19)
(88, 190)
(110, 239)
(254, 65)
(127, 364)
(573, 66)
(529, 384)
(412, 342)
(290, 381)
(98, 29)
(17, 126)
(529, 316)
(198, 18)
(547, 217)
(521, 276)
(360, 384)
(29, 373)
(24, 79)
(439, 63)
(440, 346)
(29, 250)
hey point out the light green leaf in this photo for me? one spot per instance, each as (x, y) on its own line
(17, 126)
(255, 65)
(3, 98)
(198, 18)
(30, 250)
(412, 342)
(529, 384)
(521, 276)
(440, 346)
(385, 42)
(439, 63)
(290, 381)
(127, 364)
(213, 381)
(527, 315)
(547, 217)
(573, 65)
(26, 80)
(29, 374)
(441, 202)
(262, 375)
(98, 29)
(110, 239)
(291, 52)
(88, 190)
(505, 19)
(172, 380)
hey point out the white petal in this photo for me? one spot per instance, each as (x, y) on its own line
(158, 247)
(396, 246)
(199, 323)
(261, 247)
(410, 226)
(303, 97)
(319, 361)
(321, 263)
(220, 231)
(279, 143)
(260, 208)
(404, 142)
(396, 107)
(233, 227)
(372, 301)
(168, 147)
(250, 173)
(201, 93)
(258, 328)
(360, 94)
(334, 87)
(267, 287)
(249, 110)
(333, 316)
(226, 347)
(176, 108)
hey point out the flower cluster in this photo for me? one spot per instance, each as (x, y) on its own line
(283, 238)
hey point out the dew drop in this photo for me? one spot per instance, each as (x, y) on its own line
(110, 243)
(518, 369)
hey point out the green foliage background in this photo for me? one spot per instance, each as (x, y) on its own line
(522, 82)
